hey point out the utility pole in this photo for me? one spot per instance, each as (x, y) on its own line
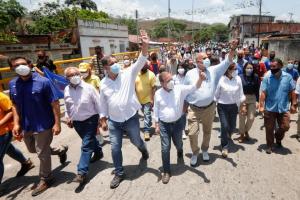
(259, 22)
(193, 20)
(137, 26)
(291, 20)
(169, 11)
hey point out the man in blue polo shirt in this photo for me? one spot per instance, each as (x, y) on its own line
(36, 114)
(276, 89)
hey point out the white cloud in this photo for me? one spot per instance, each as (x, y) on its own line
(217, 2)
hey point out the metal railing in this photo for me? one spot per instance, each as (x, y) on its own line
(62, 64)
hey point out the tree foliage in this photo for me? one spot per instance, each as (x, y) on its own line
(84, 4)
(10, 12)
(217, 32)
(129, 22)
(177, 29)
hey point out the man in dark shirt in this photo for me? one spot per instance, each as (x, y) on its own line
(44, 61)
(36, 114)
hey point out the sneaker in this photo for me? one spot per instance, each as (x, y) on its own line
(25, 167)
(194, 160)
(225, 153)
(42, 186)
(183, 135)
(145, 155)
(80, 178)
(165, 178)
(146, 136)
(205, 156)
(116, 181)
(96, 157)
(63, 155)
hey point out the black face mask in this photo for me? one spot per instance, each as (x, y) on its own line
(272, 57)
(274, 71)
(240, 57)
(144, 70)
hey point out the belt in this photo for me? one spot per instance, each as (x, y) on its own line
(172, 122)
(203, 107)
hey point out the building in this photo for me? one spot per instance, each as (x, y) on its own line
(112, 38)
(247, 27)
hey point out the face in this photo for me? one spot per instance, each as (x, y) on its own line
(208, 53)
(41, 56)
(249, 67)
(240, 55)
(71, 73)
(18, 62)
(272, 55)
(166, 80)
(275, 65)
(98, 50)
(231, 69)
(290, 62)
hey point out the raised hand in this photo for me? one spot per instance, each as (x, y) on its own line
(144, 37)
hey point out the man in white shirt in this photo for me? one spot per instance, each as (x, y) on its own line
(202, 105)
(168, 112)
(120, 106)
(82, 112)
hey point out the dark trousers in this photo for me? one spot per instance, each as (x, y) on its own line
(228, 114)
(283, 120)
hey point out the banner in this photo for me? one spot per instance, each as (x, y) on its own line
(58, 83)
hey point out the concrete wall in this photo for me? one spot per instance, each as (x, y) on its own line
(285, 48)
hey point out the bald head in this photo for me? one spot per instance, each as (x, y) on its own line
(199, 60)
(71, 71)
(240, 54)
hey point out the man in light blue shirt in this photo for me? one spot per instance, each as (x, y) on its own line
(276, 89)
(202, 105)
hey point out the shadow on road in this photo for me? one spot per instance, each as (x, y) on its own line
(14, 186)
(276, 150)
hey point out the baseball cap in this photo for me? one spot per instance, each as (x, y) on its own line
(83, 67)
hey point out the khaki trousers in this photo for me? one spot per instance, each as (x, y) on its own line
(40, 143)
(206, 117)
(246, 121)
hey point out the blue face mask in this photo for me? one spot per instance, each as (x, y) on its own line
(290, 66)
(115, 68)
(206, 62)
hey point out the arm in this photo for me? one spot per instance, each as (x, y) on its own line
(16, 118)
(262, 99)
(156, 118)
(56, 111)
(39, 71)
(218, 91)
(187, 89)
(103, 111)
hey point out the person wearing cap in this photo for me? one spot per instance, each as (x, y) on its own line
(97, 66)
(291, 70)
(86, 73)
(258, 66)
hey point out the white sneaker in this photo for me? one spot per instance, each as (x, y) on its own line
(205, 156)
(183, 135)
(194, 159)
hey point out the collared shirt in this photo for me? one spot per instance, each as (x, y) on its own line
(230, 91)
(293, 72)
(118, 98)
(178, 80)
(277, 92)
(33, 100)
(94, 81)
(297, 90)
(82, 101)
(144, 85)
(205, 94)
(251, 85)
(5, 107)
(168, 106)
(240, 65)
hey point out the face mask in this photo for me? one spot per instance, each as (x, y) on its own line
(296, 66)
(23, 70)
(206, 63)
(144, 70)
(290, 66)
(249, 72)
(274, 71)
(234, 73)
(126, 62)
(84, 75)
(181, 71)
(240, 57)
(115, 68)
(75, 80)
(255, 62)
(170, 85)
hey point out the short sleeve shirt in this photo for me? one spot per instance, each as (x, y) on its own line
(5, 107)
(144, 85)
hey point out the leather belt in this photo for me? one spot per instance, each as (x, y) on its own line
(203, 107)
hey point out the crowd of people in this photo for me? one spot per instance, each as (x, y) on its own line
(179, 88)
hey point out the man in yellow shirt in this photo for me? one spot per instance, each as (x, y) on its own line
(6, 125)
(145, 89)
(88, 77)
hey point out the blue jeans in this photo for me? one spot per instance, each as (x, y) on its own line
(7, 148)
(167, 131)
(228, 114)
(116, 131)
(146, 108)
(87, 131)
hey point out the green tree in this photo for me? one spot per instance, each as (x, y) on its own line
(129, 22)
(217, 32)
(161, 30)
(84, 4)
(10, 12)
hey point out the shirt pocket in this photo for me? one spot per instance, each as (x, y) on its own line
(37, 95)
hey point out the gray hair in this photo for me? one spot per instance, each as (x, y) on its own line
(70, 68)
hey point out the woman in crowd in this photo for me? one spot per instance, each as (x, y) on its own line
(229, 95)
(250, 82)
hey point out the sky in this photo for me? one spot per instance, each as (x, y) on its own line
(205, 11)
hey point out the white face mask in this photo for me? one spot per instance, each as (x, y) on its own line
(84, 75)
(126, 62)
(181, 71)
(206, 62)
(234, 73)
(290, 66)
(296, 66)
(170, 85)
(75, 80)
(23, 70)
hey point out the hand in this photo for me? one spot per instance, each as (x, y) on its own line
(293, 109)
(202, 75)
(243, 110)
(69, 123)
(257, 105)
(233, 44)
(144, 37)
(56, 129)
(157, 130)
(16, 131)
(261, 109)
(104, 125)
